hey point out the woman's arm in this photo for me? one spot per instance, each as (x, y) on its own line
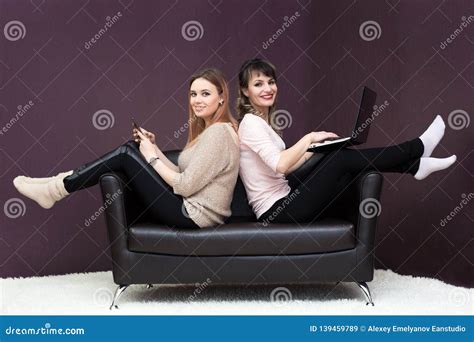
(165, 171)
(292, 158)
(300, 162)
(150, 150)
(255, 134)
(209, 159)
(165, 160)
(211, 155)
(159, 154)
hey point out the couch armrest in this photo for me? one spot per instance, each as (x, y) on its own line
(362, 193)
(113, 187)
(122, 210)
(369, 188)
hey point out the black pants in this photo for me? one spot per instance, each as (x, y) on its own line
(335, 172)
(155, 194)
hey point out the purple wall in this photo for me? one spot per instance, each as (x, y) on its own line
(142, 64)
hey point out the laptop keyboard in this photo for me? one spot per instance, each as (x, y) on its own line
(329, 141)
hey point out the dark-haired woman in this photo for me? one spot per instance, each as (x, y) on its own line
(265, 160)
(196, 193)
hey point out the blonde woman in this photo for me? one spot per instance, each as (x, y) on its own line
(196, 193)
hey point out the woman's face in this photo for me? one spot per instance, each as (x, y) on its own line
(204, 98)
(261, 91)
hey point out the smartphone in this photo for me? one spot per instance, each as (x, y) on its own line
(136, 126)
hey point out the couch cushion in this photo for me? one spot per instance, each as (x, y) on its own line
(328, 235)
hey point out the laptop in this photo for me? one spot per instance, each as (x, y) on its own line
(361, 130)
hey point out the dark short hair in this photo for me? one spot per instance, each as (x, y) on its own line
(255, 65)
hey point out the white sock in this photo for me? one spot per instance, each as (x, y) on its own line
(37, 192)
(432, 136)
(43, 191)
(44, 179)
(429, 165)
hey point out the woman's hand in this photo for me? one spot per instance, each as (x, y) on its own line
(147, 148)
(317, 137)
(150, 136)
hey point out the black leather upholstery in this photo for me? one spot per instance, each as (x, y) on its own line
(336, 248)
(328, 235)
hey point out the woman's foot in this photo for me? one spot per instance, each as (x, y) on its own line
(429, 165)
(43, 191)
(432, 136)
(45, 179)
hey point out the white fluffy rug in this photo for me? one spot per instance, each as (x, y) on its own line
(91, 293)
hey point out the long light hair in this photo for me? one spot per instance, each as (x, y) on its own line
(198, 125)
(244, 106)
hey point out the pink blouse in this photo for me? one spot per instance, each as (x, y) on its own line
(260, 148)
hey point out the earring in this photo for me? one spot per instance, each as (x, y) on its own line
(221, 102)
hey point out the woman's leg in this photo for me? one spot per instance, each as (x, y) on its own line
(335, 171)
(156, 196)
(88, 174)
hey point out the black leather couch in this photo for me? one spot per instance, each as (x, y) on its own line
(338, 247)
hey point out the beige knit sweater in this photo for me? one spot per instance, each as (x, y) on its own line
(208, 174)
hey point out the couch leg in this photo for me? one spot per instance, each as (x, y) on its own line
(118, 292)
(365, 288)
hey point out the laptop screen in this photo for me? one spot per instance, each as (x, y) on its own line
(365, 117)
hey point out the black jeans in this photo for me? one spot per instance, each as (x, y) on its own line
(335, 172)
(155, 194)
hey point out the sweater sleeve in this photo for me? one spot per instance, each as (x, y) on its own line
(210, 157)
(254, 133)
